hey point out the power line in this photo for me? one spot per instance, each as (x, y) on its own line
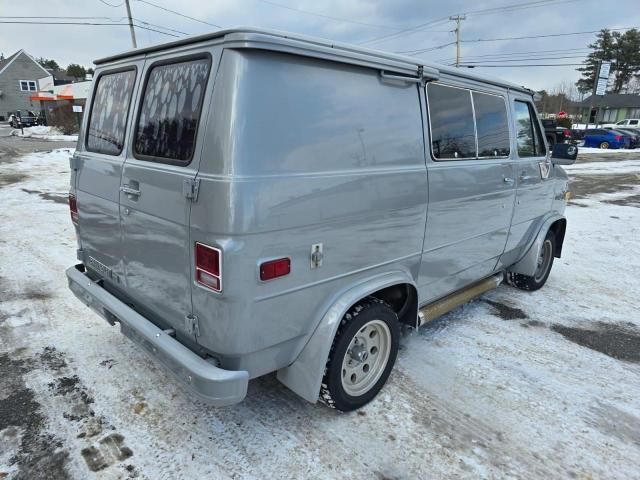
(115, 19)
(424, 50)
(160, 26)
(112, 19)
(486, 11)
(84, 24)
(179, 14)
(110, 4)
(338, 19)
(522, 59)
(530, 52)
(523, 65)
(541, 36)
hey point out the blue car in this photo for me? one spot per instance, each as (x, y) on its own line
(602, 138)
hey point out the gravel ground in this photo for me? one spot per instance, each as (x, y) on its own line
(512, 385)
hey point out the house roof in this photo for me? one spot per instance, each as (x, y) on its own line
(4, 64)
(250, 37)
(613, 100)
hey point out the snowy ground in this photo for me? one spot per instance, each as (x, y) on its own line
(44, 133)
(513, 385)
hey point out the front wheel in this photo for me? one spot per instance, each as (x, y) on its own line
(362, 355)
(543, 268)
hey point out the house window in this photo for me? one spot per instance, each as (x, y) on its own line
(28, 86)
(634, 113)
(610, 115)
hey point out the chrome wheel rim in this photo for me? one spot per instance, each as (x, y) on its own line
(604, 145)
(544, 259)
(366, 358)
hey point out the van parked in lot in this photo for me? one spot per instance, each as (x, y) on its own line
(250, 201)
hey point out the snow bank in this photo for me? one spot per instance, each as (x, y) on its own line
(601, 168)
(44, 133)
(606, 151)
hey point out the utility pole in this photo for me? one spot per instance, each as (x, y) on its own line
(458, 19)
(133, 32)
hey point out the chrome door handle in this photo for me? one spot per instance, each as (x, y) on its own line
(508, 180)
(130, 190)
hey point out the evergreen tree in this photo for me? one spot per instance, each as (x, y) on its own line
(622, 50)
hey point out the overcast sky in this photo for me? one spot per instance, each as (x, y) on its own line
(354, 21)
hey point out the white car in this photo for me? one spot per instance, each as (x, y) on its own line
(627, 122)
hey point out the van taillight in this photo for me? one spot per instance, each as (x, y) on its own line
(209, 267)
(73, 208)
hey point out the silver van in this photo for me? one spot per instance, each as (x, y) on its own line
(251, 201)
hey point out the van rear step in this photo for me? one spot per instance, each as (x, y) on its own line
(430, 312)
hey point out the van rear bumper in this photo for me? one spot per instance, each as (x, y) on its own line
(213, 385)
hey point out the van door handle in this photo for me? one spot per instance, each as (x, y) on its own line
(130, 190)
(526, 178)
(508, 180)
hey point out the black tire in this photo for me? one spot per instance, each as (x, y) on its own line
(536, 281)
(604, 145)
(359, 317)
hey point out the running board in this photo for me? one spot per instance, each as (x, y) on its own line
(430, 312)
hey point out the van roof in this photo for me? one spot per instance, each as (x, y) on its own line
(251, 37)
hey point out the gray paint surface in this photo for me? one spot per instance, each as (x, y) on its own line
(294, 150)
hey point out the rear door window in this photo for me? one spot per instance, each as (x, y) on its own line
(530, 142)
(451, 120)
(492, 125)
(109, 112)
(170, 111)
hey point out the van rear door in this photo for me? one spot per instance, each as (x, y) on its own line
(98, 163)
(159, 173)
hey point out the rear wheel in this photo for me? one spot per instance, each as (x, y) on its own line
(543, 269)
(604, 144)
(362, 355)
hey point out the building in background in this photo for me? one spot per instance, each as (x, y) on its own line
(20, 77)
(63, 106)
(610, 108)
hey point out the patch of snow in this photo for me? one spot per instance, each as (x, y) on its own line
(606, 151)
(44, 133)
(472, 395)
(604, 168)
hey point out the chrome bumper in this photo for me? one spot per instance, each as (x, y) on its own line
(213, 385)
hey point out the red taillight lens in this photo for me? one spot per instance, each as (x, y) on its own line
(275, 269)
(209, 267)
(567, 133)
(618, 138)
(73, 208)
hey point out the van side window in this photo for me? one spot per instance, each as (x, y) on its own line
(530, 141)
(451, 120)
(170, 111)
(109, 112)
(491, 125)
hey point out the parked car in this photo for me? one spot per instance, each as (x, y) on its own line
(556, 134)
(627, 122)
(232, 234)
(577, 134)
(603, 138)
(20, 119)
(633, 134)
